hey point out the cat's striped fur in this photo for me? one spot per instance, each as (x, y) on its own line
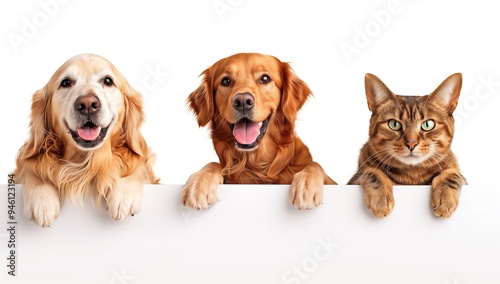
(409, 143)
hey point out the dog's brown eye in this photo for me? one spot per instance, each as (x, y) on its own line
(265, 79)
(65, 83)
(108, 81)
(225, 81)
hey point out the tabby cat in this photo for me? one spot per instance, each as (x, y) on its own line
(409, 143)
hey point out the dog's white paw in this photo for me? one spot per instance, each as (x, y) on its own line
(41, 204)
(125, 199)
(200, 191)
(306, 191)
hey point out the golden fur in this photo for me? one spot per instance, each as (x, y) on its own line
(409, 143)
(52, 165)
(257, 89)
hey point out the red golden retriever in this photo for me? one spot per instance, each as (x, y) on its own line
(84, 140)
(250, 101)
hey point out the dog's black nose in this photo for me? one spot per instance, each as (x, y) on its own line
(88, 104)
(243, 102)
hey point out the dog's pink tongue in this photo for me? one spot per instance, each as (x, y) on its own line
(246, 132)
(89, 133)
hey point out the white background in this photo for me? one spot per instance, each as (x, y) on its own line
(412, 51)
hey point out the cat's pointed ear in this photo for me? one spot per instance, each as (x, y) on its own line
(376, 92)
(448, 92)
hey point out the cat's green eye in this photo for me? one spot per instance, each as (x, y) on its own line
(394, 125)
(428, 125)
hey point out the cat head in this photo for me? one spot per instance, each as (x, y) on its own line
(412, 129)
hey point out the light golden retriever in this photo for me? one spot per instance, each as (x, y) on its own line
(250, 101)
(84, 140)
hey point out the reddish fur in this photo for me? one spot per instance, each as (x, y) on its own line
(280, 154)
(280, 158)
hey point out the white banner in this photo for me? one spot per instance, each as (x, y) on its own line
(254, 236)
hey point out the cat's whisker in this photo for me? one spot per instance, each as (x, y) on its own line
(373, 158)
(421, 124)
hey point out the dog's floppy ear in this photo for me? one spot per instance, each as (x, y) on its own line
(294, 93)
(40, 126)
(132, 121)
(201, 100)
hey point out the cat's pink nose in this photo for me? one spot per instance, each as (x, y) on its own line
(411, 144)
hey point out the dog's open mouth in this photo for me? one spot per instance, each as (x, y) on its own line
(247, 133)
(89, 135)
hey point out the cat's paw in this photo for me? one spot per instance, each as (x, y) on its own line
(41, 204)
(125, 200)
(444, 201)
(378, 192)
(200, 191)
(444, 209)
(445, 193)
(306, 191)
(380, 201)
